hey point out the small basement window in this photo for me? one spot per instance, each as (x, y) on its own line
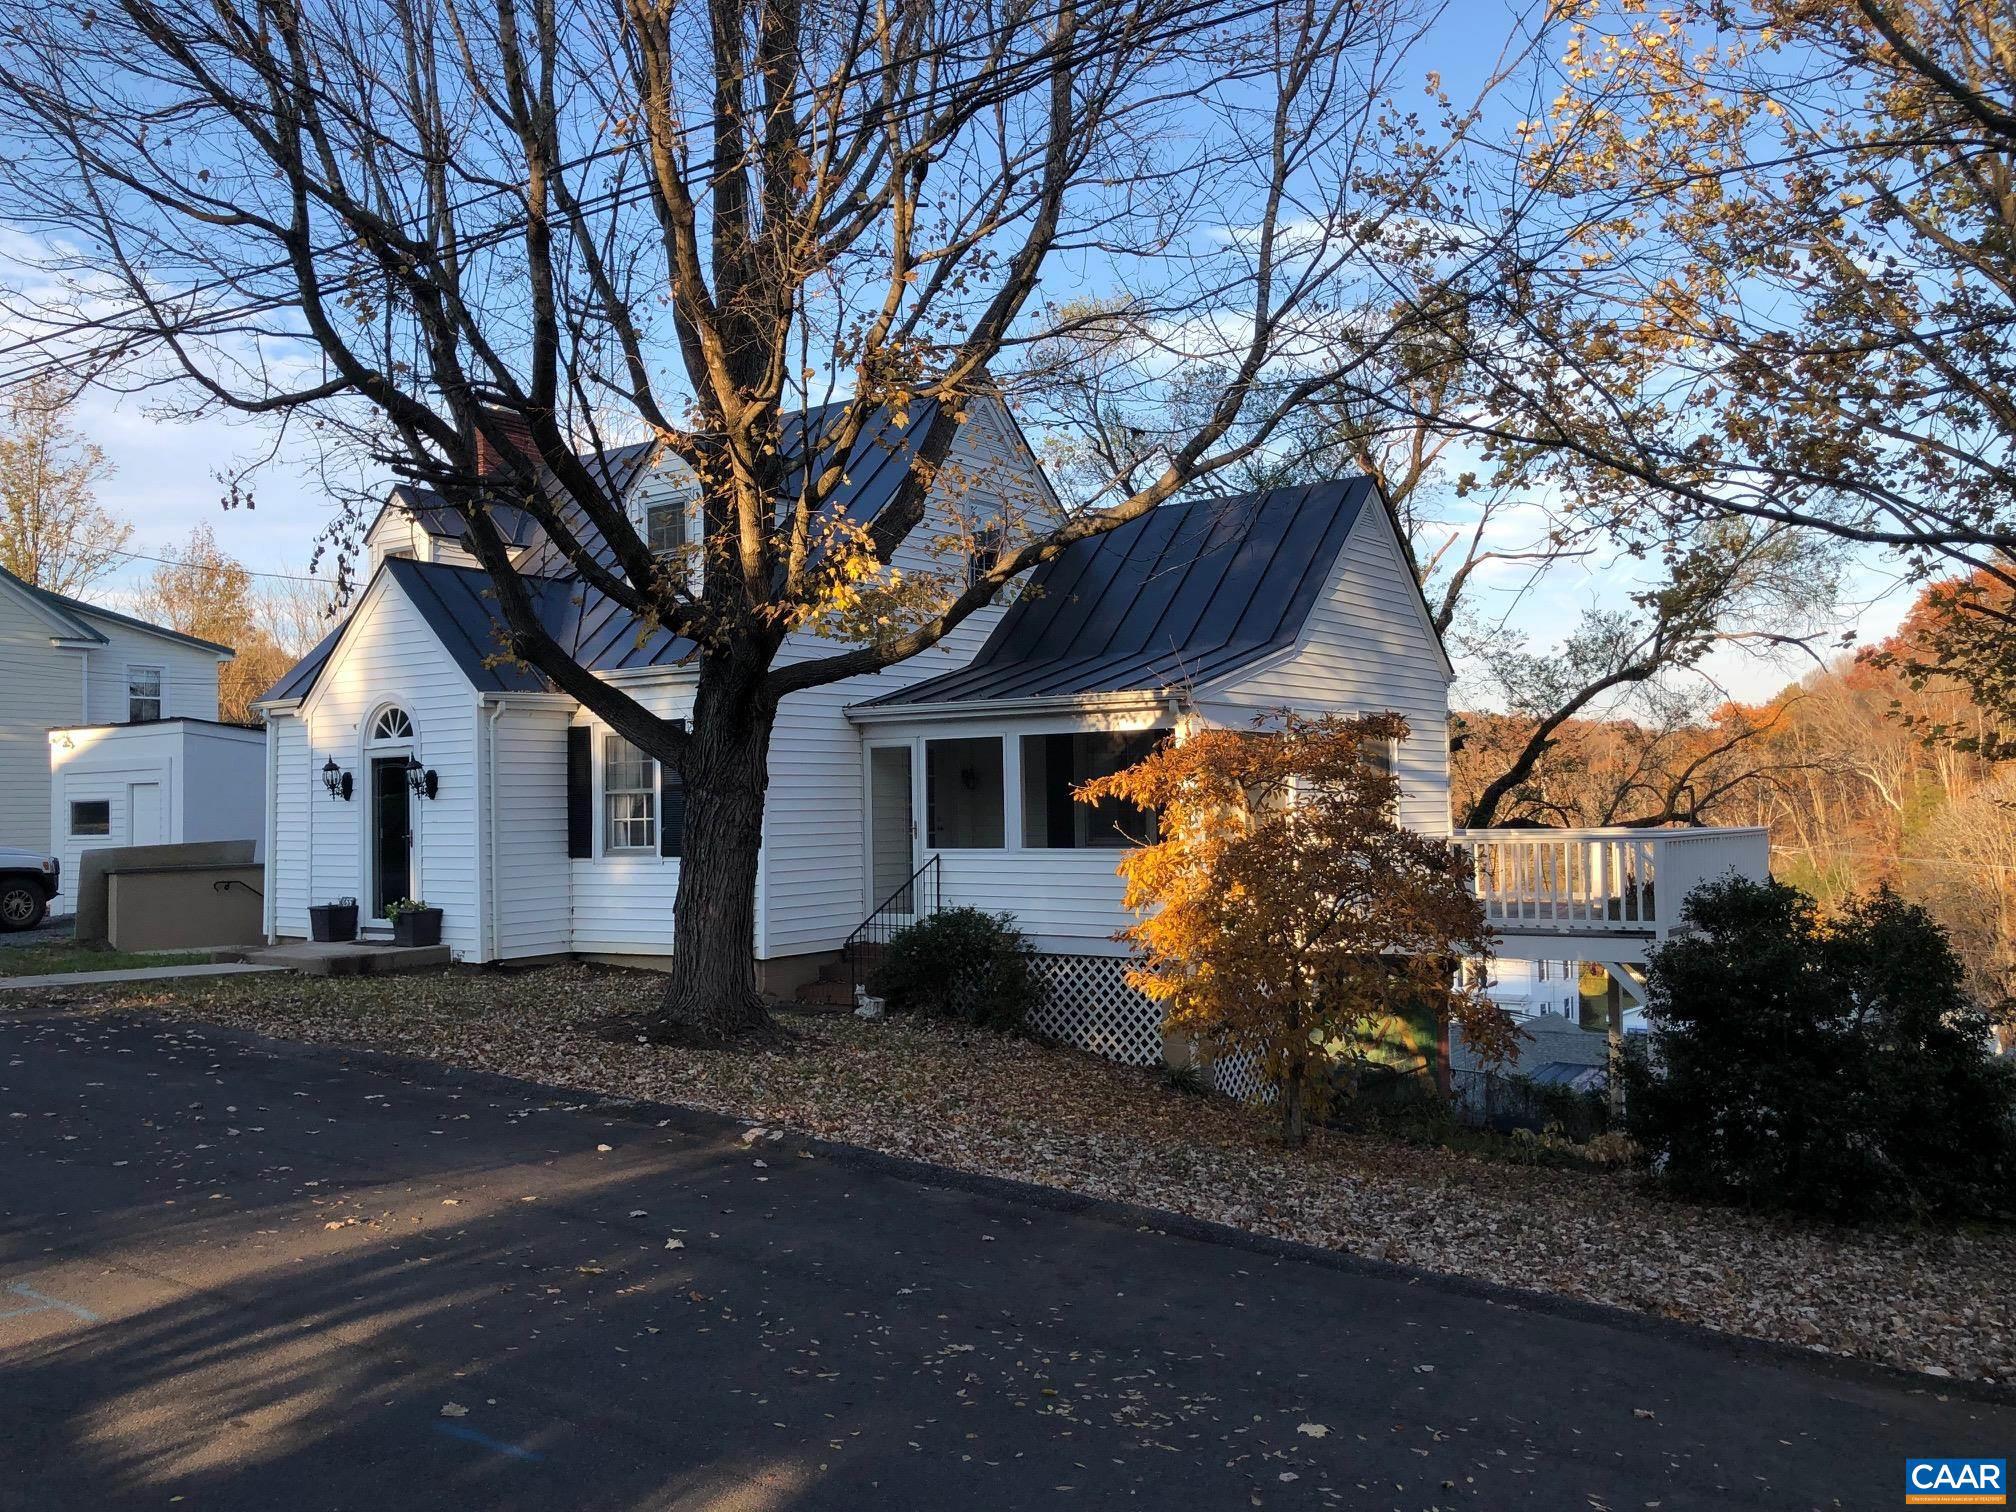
(1053, 765)
(91, 816)
(963, 793)
(629, 796)
(143, 694)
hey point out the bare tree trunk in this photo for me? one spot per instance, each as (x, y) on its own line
(711, 998)
(1295, 1105)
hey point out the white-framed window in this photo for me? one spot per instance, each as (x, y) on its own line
(629, 797)
(90, 816)
(393, 724)
(665, 526)
(145, 687)
(989, 541)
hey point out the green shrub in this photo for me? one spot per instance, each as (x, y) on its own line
(1834, 1066)
(960, 963)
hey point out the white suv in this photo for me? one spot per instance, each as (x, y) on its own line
(27, 883)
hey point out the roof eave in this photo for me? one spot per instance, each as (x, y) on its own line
(1119, 701)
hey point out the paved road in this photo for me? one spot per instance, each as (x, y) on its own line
(242, 1275)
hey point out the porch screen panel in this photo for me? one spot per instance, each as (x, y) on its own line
(1054, 765)
(889, 818)
(963, 794)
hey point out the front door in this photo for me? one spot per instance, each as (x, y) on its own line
(391, 833)
(892, 828)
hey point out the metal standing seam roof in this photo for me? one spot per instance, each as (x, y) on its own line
(607, 636)
(599, 633)
(1185, 593)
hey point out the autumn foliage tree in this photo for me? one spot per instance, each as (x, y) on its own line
(52, 532)
(1284, 912)
(205, 591)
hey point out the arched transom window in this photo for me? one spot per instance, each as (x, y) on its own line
(393, 724)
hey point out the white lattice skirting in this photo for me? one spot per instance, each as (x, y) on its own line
(1239, 1078)
(1091, 1006)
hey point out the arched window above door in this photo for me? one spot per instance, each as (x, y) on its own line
(393, 724)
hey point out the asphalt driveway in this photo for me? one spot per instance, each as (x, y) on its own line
(237, 1274)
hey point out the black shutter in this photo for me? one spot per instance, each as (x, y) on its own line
(671, 809)
(580, 793)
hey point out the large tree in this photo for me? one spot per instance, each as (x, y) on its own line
(1777, 281)
(432, 225)
(52, 532)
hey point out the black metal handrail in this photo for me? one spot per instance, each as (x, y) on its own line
(917, 897)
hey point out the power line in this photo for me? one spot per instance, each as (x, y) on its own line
(233, 566)
(618, 199)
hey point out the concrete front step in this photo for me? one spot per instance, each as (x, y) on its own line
(350, 957)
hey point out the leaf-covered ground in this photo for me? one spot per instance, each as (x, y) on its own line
(1927, 1300)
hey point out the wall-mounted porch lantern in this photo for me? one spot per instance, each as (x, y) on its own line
(339, 782)
(421, 779)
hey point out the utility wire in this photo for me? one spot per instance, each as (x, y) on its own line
(510, 227)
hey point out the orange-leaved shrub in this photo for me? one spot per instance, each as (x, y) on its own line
(1284, 913)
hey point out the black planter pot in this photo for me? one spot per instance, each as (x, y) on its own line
(422, 926)
(330, 922)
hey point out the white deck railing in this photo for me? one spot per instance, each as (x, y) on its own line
(1602, 881)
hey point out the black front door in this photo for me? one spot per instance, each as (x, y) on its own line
(391, 833)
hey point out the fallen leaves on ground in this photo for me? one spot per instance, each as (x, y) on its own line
(1927, 1299)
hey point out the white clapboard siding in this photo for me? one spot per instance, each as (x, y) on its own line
(530, 866)
(41, 686)
(297, 785)
(188, 680)
(390, 656)
(1368, 648)
(813, 861)
(1066, 901)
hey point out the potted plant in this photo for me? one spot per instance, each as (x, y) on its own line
(413, 922)
(331, 922)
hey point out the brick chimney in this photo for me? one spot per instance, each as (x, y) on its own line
(489, 461)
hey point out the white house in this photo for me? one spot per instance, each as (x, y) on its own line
(405, 759)
(67, 664)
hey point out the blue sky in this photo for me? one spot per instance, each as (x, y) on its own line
(167, 478)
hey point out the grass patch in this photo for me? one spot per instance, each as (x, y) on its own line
(49, 960)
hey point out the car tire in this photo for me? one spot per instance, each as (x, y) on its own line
(21, 905)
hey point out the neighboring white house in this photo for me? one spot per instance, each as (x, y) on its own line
(475, 786)
(64, 663)
(167, 782)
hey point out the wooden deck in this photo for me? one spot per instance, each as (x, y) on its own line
(1549, 887)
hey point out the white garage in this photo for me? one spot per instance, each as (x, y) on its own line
(167, 782)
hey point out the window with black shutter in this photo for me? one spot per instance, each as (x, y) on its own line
(580, 793)
(672, 808)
